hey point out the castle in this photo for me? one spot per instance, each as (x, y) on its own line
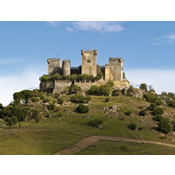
(112, 71)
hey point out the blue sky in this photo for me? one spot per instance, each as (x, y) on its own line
(146, 47)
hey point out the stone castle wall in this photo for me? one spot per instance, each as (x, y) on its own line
(54, 66)
(89, 62)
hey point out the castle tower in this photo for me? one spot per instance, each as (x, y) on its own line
(54, 66)
(89, 62)
(66, 67)
(115, 69)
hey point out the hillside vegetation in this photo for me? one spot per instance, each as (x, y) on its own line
(40, 123)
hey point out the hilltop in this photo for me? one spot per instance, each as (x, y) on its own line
(58, 125)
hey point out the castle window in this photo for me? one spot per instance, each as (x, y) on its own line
(88, 61)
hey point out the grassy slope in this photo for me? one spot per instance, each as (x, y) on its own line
(52, 134)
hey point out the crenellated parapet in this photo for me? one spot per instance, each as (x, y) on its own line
(116, 59)
(49, 60)
(89, 51)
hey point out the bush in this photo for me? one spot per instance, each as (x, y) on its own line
(143, 87)
(164, 126)
(74, 89)
(42, 96)
(128, 112)
(78, 98)
(157, 118)
(51, 106)
(35, 99)
(158, 101)
(171, 103)
(106, 99)
(37, 119)
(54, 101)
(87, 98)
(95, 122)
(132, 126)
(82, 108)
(44, 78)
(115, 93)
(152, 106)
(150, 97)
(60, 101)
(57, 95)
(142, 112)
(46, 100)
(1, 106)
(140, 128)
(158, 111)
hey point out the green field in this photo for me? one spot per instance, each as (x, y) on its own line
(65, 127)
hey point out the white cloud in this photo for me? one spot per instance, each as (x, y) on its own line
(53, 23)
(161, 80)
(167, 38)
(69, 29)
(15, 83)
(98, 26)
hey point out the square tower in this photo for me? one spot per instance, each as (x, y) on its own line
(89, 62)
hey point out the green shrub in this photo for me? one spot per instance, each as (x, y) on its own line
(51, 106)
(60, 101)
(33, 99)
(132, 126)
(106, 99)
(78, 98)
(158, 101)
(171, 103)
(115, 93)
(140, 128)
(164, 126)
(157, 118)
(74, 89)
(95, 122)
(37, 119)
(1, 106)
(152, 106)
(158, 111)
(44, 78)
(142, 112)
(56, 95)
(54, 101)
(150, 97)
(42, 96)
(128, 112)
(46, 100)
(49, 94)
(82, 108)
(87, 98)
(110, 83)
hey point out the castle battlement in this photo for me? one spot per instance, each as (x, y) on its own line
(111, 71)
(53, 60)
(115, 59)
(89, 51)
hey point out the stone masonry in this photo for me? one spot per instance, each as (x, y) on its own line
(112, 71)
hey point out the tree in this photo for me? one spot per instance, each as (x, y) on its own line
(74, 77)
(151, 88)
(124, 77)
(20, 113)
(44, 78)
(1, 106)
(143, 87)
(10, 121)
(164, 126)
(158, 111)
(82, 108)
(74, 89)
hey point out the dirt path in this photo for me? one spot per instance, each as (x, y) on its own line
(83, 144)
